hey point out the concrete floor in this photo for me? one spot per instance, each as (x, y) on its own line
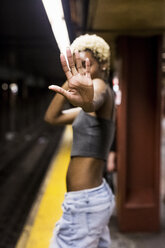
(136, 240)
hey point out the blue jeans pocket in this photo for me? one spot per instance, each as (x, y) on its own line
(65, 226)
(96, 221)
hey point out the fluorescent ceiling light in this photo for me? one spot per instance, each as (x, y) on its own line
(55, 15)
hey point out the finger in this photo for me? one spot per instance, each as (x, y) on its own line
(59, 90)
(65, 67)
(88, 67)
(78, 62)
(70, 61)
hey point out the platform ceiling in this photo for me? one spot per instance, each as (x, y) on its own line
(27, 42)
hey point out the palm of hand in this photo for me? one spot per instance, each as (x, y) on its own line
(80, 86)
(80, 90)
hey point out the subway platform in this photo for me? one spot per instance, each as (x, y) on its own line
(47, 210)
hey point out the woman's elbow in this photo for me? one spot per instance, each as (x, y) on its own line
(48, 119)
(52, 121)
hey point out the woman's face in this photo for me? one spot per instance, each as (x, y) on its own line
(94, 65)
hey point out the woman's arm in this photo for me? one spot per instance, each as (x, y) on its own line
(55, 114)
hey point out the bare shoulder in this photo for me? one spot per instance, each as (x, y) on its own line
(105, 94)
(101, 87)
(99, 84)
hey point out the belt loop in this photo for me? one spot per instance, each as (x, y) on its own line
(86, 196)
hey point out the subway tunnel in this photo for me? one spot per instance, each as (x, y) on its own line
(29, 63)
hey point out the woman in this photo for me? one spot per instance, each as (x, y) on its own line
(88, 202)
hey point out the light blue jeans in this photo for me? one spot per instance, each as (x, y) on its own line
(84, 223)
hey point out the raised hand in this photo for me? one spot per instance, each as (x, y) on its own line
(80, 86)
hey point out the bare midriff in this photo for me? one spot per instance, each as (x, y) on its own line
(84, 173)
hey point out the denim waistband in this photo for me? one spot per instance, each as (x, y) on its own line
(96, 199)
(90, 191)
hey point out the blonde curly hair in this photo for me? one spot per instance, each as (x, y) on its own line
(97, 45)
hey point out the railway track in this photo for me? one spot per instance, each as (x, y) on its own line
(23, 163)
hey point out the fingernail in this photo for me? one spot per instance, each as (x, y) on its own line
(50, 86)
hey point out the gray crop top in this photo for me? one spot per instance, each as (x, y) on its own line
(92, 136)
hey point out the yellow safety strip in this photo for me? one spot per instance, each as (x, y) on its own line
(39, 233)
